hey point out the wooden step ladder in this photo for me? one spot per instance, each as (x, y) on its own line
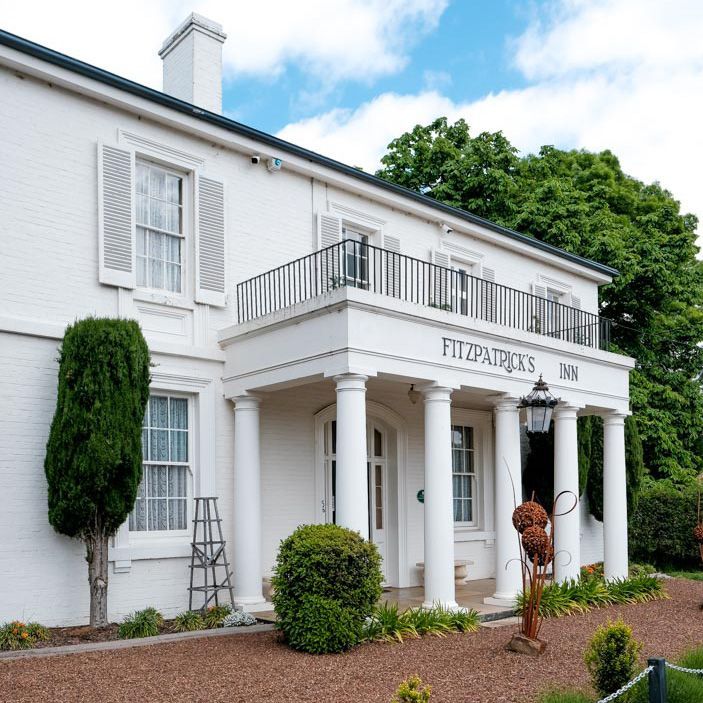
(209, 555)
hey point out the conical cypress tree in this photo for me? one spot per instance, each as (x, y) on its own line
(93, 458)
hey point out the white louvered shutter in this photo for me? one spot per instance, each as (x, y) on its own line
(440, 280)
(116, 216)
(489, 298)
(329, 261)
(579, 331)
(392, 272)
(539, 309)
(210, 243)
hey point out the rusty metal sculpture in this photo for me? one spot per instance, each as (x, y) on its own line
(536, 554)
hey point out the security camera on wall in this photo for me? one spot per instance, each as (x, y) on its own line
(274, 164)
(446, 229)
(255, 158)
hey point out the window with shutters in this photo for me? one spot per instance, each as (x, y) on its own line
(162, 498)
(160, 228)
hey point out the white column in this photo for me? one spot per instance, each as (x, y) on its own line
(246, 562)
(508, 494)
(352, 494)
(567, 528)
(614, 497)
(439, 520)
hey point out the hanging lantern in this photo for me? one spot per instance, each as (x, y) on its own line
(539, 405)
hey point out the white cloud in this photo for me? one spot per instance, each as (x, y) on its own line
(333, 41)
(625, 75)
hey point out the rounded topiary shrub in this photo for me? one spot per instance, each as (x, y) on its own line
(331, 563)
(322, 626)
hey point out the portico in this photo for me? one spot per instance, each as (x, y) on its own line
(355, 354)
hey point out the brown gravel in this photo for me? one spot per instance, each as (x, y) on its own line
(471, 668)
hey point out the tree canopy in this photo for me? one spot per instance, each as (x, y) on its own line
(584, 203)
(93, 459)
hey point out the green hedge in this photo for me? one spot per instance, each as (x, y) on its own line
(334, 570)
(661, 526)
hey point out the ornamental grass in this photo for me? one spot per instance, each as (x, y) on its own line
(582, 595)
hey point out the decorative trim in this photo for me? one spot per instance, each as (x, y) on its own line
(357, 216)
(149, 147)
(474, 257)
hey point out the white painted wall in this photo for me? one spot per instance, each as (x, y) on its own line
(48, 211)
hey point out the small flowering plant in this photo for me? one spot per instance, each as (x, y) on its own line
(19, 635)
(238, 618)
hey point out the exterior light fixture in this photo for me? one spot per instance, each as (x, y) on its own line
(413, 395)
(539, 405)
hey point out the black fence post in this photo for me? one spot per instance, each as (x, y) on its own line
(657, 680)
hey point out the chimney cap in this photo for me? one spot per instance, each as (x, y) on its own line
(193, 22)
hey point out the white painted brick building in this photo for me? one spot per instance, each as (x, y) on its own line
(117, 200)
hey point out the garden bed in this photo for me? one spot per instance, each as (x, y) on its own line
(459, 667)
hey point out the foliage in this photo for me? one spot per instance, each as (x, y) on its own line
(584, 594)
(322, 626)
(93, 459)
(611, 657)
(584, 203)
(388, 624)
(692, 575)
(539, 470)
(412, 691)
(188, 621)
(661, 526)
(18, 635)
(215, 614)
(336, 566)
(238, 618)
(141, 623)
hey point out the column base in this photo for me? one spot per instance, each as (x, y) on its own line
(503, 600)
(446, 604)
(252, 604)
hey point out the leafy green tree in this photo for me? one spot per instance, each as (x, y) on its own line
(585, 203)
(93, 459)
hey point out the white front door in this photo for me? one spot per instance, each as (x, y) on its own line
(376, 463)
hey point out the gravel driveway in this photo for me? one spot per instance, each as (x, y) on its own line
(470, 668)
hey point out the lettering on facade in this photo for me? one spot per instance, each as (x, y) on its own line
(568, 372)
(492, 356)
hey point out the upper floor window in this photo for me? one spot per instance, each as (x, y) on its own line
(160, 238)
(464, 474)
(162, 499)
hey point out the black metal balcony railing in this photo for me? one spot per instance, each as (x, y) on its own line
(360, 265)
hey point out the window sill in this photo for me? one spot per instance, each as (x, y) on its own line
(172, 301)
(472, 534)
(141, 549)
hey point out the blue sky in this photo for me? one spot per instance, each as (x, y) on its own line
(345, 77)
(466, 56)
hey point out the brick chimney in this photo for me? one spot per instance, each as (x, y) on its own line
(192, 58)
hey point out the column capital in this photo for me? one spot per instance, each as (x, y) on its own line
(351, 381)
(436, 393)
(246, 402)
(566, 411)
(505, 403)
(615, 418)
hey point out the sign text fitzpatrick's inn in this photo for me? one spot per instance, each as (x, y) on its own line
(502, 358)
(492, 356)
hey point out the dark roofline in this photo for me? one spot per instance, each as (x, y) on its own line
(142, 91)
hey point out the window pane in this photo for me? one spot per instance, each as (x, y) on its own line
(173, 278)
(142, 209)
(177, 515)
(142, 178)
(179, 413)
(173, 250)
(173, 189)
(145, 444)
(141, 271)
(377, 443)
(469, 442)
(177, 482)
(172, 218)
(457, 437)
(158, 406)
(157, 514)
(157, 183)
(334, 436)
(179, 445)
(158, 214)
